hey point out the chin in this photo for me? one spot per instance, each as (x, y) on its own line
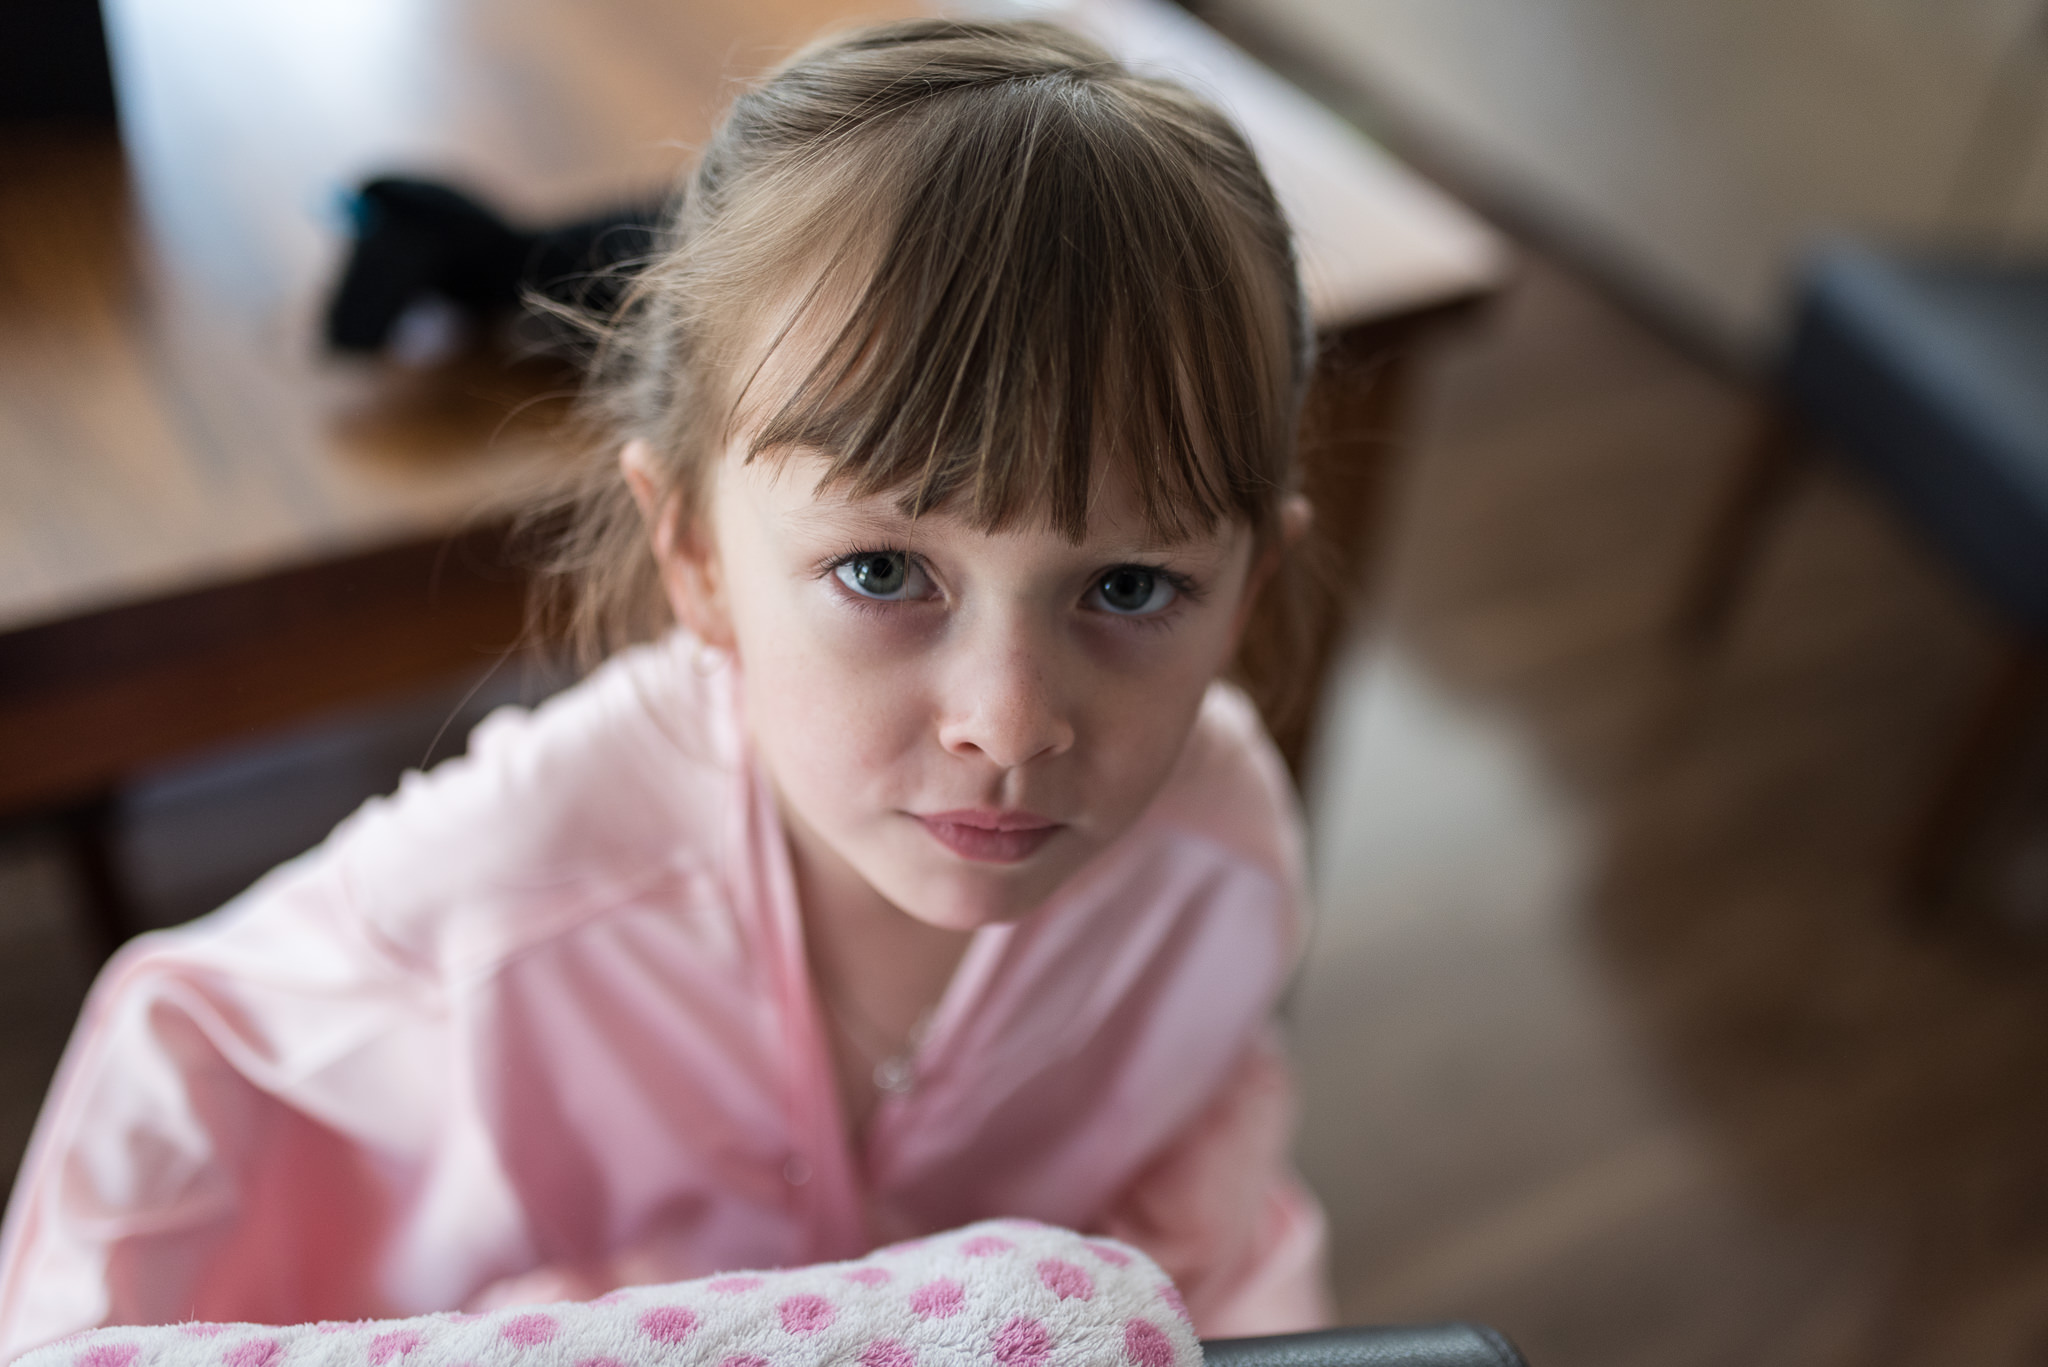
(977, 901)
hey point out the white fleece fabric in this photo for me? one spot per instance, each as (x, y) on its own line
(1003, 1293)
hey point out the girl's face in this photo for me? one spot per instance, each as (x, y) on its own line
(962, 719)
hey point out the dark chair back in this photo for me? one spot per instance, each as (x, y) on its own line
(1408, 1345)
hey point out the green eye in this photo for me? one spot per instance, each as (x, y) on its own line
(876, 574)
(1132, 590)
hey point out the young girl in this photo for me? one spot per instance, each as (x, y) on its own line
(917, 870)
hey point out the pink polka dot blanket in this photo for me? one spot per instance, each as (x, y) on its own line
(1004, 1293)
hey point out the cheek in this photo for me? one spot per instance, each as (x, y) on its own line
(1138, 732)
(832, 715)
(1139, 707)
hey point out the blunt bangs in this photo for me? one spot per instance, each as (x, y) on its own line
(1051, 282)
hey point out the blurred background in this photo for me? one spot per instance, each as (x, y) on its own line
(1679, 778)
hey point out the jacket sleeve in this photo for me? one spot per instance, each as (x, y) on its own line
(1223, 1211)
(176, 1171)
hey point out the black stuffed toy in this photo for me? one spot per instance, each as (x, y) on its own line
(418, 239)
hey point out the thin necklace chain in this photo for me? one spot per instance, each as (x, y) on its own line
(894, 1068)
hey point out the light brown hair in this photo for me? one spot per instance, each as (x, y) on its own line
(1018, 257)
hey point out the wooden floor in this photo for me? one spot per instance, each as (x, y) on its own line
(1613, 1036)
(1616, 1036)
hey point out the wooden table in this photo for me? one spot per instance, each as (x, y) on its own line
(208, 528)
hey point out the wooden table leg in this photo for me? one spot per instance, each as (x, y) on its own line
(91, 830)
(1734, 537)
(1982, 755)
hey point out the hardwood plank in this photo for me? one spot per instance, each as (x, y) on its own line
(1615, 1033)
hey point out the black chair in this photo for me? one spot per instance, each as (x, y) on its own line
(1427, 1345)
(1929, 375)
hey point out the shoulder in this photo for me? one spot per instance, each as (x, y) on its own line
(1231, 790)
(614, 786)
(608, 795)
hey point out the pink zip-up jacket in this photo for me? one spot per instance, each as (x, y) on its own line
(545, 1015)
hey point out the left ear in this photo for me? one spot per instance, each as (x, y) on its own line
(1296, 517)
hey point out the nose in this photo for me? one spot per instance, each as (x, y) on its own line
(1005, 701)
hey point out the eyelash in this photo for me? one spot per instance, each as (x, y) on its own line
(1185, 590)
(828, 567)
(1186, 593)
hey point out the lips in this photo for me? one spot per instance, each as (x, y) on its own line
(989, 837)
